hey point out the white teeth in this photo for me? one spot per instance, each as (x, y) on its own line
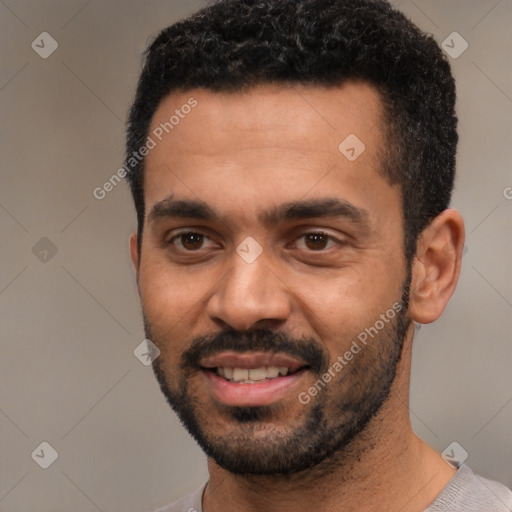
(240, 373)
(257, 373)
(252, 375)
(272, 372)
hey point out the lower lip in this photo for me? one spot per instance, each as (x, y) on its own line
(258, 394)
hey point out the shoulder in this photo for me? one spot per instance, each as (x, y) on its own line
(189, 503)
(469, 492)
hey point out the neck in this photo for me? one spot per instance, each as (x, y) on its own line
(386, 468)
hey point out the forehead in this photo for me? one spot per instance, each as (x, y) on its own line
(267, 145)
(288, 114)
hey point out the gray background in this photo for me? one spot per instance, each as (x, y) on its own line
(70, 323)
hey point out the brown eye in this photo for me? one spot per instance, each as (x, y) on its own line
(316, 241)
(192, 245)
(192, 241)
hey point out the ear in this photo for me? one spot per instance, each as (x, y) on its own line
(134, 253)
(436, 266)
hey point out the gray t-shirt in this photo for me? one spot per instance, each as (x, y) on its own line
(465, 492)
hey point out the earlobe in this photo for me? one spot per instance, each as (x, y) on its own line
(134, 252)
(436, 266)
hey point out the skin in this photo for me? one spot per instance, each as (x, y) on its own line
(243, 154)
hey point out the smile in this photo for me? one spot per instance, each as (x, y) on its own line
(251, 378)
(251, 375)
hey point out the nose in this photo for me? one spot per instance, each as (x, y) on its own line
(249, 296)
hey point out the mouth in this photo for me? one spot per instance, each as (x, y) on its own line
(251, 379)
(252, 375)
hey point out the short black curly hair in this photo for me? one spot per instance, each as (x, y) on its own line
(232, 45)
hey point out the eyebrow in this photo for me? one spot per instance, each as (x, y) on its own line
(181, 209)
(316, 208)
(329, 207)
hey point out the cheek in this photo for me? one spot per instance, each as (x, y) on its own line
(165, 293)
(343, 305)
(174, 303)
(164, 312)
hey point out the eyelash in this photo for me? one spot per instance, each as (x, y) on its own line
(330, 238)
(184, 233)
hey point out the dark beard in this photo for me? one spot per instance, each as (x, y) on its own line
(261, 445)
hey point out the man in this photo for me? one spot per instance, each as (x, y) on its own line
(291, 164)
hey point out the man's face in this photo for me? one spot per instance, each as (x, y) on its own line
(266, 251)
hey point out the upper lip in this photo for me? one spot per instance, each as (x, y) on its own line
(251, 360)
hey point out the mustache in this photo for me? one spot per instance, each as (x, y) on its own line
(258, 340)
